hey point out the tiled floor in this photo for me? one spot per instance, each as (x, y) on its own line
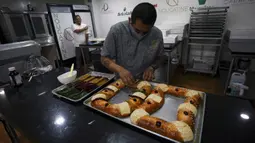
(201, 82)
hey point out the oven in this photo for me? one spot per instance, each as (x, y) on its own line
(39, 25)
(15, 27)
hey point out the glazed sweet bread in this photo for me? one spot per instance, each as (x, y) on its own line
(177, 91)
(176, 130)
(181, 129)
(183, 92)
(163, 87)
(193, 100)
(119, 84)
(145, 87)
(144, 102)
(153, 102)
(187, 112)
(124, 109)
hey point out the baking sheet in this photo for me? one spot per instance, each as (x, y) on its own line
(168, 112)
(93, 73)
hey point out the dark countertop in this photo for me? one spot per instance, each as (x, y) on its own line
(39, 118)
(92, 45)
(167, 46)
(242, 46)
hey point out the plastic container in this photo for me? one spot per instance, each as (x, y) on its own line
(65, 78)
(15, 77)
(238, 78)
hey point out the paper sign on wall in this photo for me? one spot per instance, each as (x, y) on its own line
(109, 12)
(62, 23)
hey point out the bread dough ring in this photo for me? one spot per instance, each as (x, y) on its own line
(188, 107)
(193, 100)
(142, 84)
(180, 130)
(177, 91)
(163, 87)
(147, 101)
(119, 84)
(124, 109)
(145, 87)
(187, 117)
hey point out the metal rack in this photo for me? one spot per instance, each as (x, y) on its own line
(205, 39)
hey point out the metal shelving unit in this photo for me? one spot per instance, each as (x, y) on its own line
(205, 39)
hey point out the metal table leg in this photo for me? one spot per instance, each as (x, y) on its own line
(168, 67)
(84, 60)
(9, 130)
(229, 75)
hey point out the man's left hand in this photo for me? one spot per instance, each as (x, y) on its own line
(148, 74)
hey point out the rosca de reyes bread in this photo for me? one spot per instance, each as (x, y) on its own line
(163, 87)
(145, 101)
(187, 112)
(177, 91)
(181, 129)
(119, 84)
(176, 130)
(153, 102)
(144, 86)
(186, 93)
(124, 109)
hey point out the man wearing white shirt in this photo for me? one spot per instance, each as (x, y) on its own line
(80, 34)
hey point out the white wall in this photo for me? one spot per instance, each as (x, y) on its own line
(241, 19)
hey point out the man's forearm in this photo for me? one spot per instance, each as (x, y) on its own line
(110, 64)
(80, 30)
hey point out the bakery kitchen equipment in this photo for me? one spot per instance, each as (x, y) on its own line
(15, 55)
(173, 113)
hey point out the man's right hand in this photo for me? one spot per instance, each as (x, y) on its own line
(126, 76)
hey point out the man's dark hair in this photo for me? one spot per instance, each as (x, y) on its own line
(146, 12)
(76, 16)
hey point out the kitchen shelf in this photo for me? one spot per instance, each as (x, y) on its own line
(204, 38)
(206, 31)
(202, 44)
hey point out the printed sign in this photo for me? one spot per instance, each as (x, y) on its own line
(62, 23)
(172, 2)
(105, 9)
(124, 12)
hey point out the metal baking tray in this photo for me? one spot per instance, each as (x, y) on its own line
(93, 73)
(168, 112)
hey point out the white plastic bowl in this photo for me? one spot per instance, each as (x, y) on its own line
(65, 79)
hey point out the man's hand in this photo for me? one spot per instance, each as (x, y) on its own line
(85, 28)
(148, 74)
(126, 76)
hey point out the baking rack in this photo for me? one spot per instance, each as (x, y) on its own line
(205, 39)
